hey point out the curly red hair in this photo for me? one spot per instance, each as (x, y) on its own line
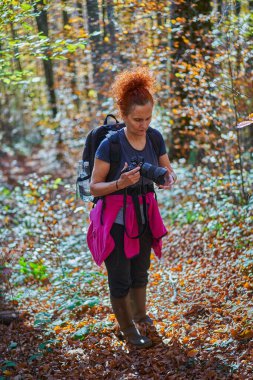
(133, 87)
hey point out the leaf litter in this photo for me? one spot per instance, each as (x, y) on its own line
(199, 295)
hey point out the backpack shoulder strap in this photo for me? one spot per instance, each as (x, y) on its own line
(92, 141)
(115, 149)
(154, 139)
(115, 154)
(87, 147)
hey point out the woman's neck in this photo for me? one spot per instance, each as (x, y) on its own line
(137, 142)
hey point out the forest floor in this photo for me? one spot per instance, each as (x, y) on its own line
(199, 295)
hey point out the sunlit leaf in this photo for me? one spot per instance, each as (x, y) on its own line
(244, 124)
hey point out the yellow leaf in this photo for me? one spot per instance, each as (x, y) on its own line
(92, 93)
(74, 19)
(220, 331)
(70, 200)
(57, 329)
(178, 268)
(186, 41)
(7, 372)
(149, 52)
(192, 353)
(240, 335)
(82, 34)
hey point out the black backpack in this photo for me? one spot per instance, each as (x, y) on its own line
(96, 136)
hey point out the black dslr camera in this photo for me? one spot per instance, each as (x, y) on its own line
(155, 173)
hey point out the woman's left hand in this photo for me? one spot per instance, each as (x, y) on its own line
(171, 179)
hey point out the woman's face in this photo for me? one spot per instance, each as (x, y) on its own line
(138, 120)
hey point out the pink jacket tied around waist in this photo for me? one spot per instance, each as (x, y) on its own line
(99, 239)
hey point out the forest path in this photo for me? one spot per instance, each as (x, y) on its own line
(66, 328)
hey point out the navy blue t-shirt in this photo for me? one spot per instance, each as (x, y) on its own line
(128, 152)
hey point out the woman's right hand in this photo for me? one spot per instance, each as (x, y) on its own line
(128, 178)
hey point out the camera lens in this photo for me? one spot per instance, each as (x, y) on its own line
(155, 173)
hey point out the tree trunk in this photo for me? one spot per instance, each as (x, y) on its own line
(191, 35)
(8, 316)
(95, 38)
(16, 52)
(220, 6)
(250, 68)
(111, 26)
(70, 60)
(238, 45)
(104, 19)
(237, 7)
(42, 23)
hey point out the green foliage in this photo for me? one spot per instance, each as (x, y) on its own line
(7, 365)
(33, 269)
(245, 262)
(28, 43)
(42, 318)
(80, 334)
(43, 228)
(212, 203)
(39, 211)
(12, 345)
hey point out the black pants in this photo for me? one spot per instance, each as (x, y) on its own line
(124, 273)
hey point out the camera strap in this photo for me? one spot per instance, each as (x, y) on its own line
(135, 198)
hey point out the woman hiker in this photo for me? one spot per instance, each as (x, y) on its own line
(127, 218)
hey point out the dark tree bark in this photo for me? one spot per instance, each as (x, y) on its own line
(16, 52)
(104, 19)
(185, 41)
(237, 7)
(95, 38)
(8, 316)
(111, 24)
(237, 45)
(163, 43)
(42, 23)
(109, 29)
(102, 52)
(249, 70)
(79, 7)
(220, 6)
(70, 60)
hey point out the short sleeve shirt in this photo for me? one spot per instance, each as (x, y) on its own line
(128, 152)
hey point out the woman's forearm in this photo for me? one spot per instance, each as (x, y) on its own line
(103, 188)
(99, 188)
